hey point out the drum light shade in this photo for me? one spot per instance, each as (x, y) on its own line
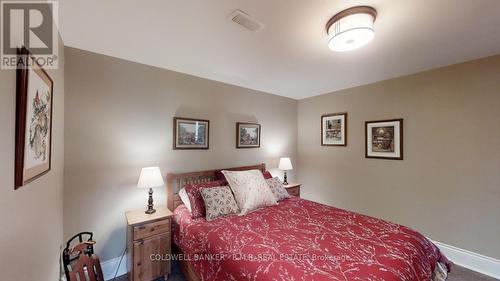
(351, 28)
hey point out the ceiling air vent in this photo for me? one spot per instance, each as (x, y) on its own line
(244, 20)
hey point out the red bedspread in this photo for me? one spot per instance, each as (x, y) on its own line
(303, 240)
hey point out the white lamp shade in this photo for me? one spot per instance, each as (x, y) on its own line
(285, 164)
(150, 177)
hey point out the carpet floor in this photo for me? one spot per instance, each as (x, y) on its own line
(457, 274)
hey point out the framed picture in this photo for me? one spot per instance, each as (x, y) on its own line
(247, 135)
(191, 133)
(384, 139)
(33, 120)
(334, 129)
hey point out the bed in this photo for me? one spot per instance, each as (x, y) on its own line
(297, 240)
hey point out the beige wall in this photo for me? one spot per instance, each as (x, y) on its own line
(32, 216)
(448, 185)
(119, 119)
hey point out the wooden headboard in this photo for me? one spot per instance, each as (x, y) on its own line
(176, 182)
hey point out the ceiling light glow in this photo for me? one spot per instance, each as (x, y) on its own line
(351, 28)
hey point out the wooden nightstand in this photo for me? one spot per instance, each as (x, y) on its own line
(293, 188)
(148, 235)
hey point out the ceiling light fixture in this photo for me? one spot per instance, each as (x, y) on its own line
(351, 28)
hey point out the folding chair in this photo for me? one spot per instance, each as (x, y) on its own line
(80, 262)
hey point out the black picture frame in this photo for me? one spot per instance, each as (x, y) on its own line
(389, 144)
(240, 143)
(339, 116)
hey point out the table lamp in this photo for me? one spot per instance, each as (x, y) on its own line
(150, 177)
(285, 165)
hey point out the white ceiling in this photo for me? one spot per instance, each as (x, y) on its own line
(289, 57)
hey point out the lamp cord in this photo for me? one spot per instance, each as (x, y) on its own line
(119, 263)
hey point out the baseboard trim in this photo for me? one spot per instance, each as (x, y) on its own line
(470, 260)
(109, 268)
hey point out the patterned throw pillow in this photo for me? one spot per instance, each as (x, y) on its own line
(277, 188)
(250, 190)
(219, 202)
(267, 175)
(193, 191)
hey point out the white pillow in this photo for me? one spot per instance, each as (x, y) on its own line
(250, 190)
(277, 188)
(185, 198)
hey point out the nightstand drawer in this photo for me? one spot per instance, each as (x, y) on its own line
(151, 229)
(295, 191)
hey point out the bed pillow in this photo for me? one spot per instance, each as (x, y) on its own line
(267, 175)
(195, 199)
(185, 198)
(250, 190)
(277, 188)
(220, 176)
(219, 202)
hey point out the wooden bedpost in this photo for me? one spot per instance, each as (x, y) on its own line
(170, 192)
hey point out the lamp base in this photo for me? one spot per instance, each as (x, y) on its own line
(285, 182)
(150, 209)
